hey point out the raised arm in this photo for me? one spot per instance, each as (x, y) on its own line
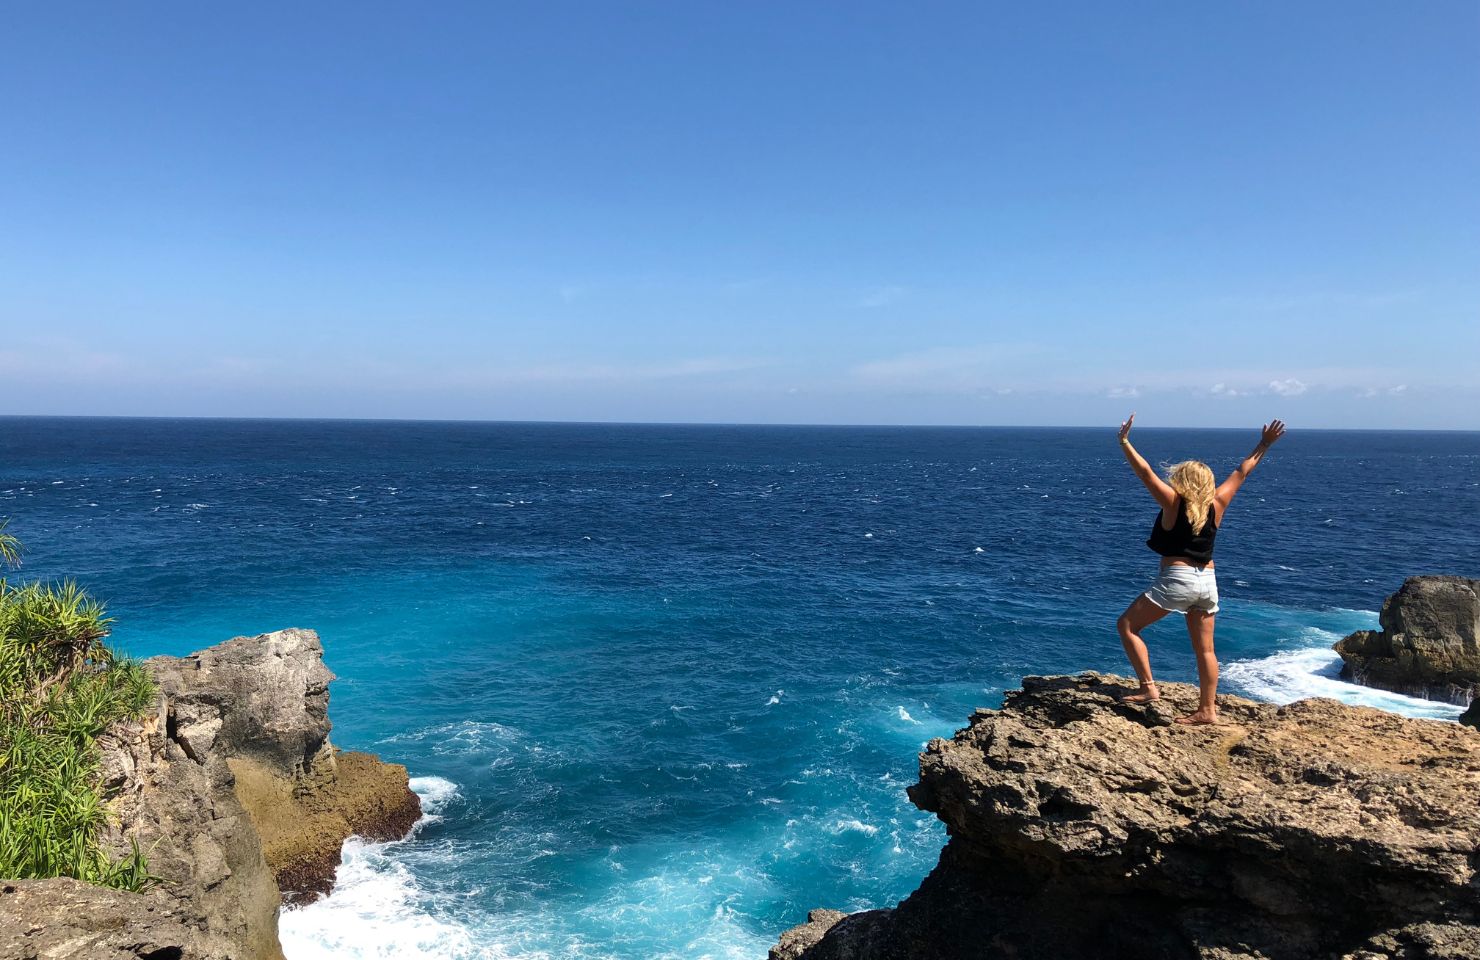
(1164, 494)
(1271, 432)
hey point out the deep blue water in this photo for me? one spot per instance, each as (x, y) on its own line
(663, 686)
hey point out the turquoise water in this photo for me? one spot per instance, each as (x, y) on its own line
(662, 687)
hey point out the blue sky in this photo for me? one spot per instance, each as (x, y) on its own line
(765, 212)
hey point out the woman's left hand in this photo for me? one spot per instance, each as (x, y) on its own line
(1125, 428)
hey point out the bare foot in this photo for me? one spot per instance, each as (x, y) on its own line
(1147, 694)
(1200, 717)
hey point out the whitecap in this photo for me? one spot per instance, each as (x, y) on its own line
(1316, 672)
(435, 794)
(853, 826)
(462, 737)
(905, 715)
(376, 910)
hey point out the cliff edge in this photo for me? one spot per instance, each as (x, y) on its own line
(1082, 826)
(233, 790)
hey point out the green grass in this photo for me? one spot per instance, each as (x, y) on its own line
(61, 688)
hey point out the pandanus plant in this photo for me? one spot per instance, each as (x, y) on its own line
(61, 688)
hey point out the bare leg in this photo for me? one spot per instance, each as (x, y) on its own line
(1137, 617)
(1200, 631)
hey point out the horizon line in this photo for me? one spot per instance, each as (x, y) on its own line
(698, 423)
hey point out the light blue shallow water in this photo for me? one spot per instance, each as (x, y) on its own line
(662, 687)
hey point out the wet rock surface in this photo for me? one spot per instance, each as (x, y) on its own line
(1429, 644)
(1082, 826)
(232, 788)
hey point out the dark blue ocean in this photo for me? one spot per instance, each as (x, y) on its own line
(662, 687)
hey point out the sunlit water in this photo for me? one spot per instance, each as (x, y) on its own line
(662, 688)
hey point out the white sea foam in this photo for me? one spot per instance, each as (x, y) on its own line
(905, 715)
(377, 911)
(435, 794)
(462, 737)
(1315, 671)
(853, 826)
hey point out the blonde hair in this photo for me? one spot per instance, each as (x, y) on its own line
(1193, 481)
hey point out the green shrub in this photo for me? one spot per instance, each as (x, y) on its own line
(60, 689)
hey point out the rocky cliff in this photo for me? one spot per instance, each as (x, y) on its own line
(1429, 644)
(1084, 827)
(232, 788)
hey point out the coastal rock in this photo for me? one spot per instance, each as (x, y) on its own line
(1083, 826)
(68, 918)
(304, 825)
(1429, 644)
(232, 789)
(262, 704)
(1471, 716)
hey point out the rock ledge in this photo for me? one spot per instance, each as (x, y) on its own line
(1081, 826)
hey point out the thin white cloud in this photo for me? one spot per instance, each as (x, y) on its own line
(881, 296)
(589, 373)
(1289, 387)
(940, 369)
(1324, 301)
(1123, 393)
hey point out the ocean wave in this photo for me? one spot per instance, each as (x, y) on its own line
(435, 794)
(460, 738)
(1315, 671)
(377, 911)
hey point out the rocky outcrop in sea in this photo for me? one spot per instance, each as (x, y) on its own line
(232, 788)
(1429, 644)
(1081, 826)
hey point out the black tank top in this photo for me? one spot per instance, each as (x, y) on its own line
(1180, 541)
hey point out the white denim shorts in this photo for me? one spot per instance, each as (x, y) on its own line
(1181, 588)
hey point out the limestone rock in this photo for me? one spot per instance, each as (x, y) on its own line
(43, 919)
(262, 703)
(265, 698)
(1429, 644)
(1472, 715)
(303, 826)
(234, 759)
(1082, 826)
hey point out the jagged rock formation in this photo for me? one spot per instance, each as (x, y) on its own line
(235, 754)
(1429, 644)
(263, 704)
(1084, 827)
(1471, 717)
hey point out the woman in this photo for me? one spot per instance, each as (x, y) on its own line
(1191, 512)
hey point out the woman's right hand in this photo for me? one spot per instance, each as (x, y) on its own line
(1125, 427)
(1271, 432)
